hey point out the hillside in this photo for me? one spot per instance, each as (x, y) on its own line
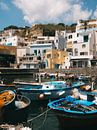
(41, 29)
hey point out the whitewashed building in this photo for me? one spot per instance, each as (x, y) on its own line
(89, 25)
(66, 64)
(41, 45)
(11, 40)
(25, 60)
(84, 47)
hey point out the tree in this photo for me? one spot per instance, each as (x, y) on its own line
(11, 27)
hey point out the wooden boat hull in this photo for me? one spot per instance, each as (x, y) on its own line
(37, 92)
(68, 120)
(17, 115)
(43, 95)
(75, 112)
(7, 87)
(7, 98)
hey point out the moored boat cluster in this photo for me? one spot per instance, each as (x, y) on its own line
(70, 100)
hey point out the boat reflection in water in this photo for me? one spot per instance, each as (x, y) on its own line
(77, 110)
(13, 107)
(45, 90)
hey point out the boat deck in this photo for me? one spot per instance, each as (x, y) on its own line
(76, 106)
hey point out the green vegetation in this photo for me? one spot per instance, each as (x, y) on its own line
(15, 27)
(48, 29)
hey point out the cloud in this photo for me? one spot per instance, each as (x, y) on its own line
(3, 6)
(95, 13)
(77, 13)
(52, 11)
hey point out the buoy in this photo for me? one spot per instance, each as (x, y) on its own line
(41, 96)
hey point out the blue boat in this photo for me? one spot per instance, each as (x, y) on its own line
(46, 90)
(76, 110)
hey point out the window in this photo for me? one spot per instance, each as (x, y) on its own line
(39, 58)
(83, 46)
(20, 59)
(66, 38)
(56, 41)
(39, 52)
(35, 52)
(28, 66)
(75, 42)
(70, 54)
(49, 56)
(76, 51)
(70, 36)
(30, 58)
(77, 34)
(44, 51)
(83, 53)
(86, 38)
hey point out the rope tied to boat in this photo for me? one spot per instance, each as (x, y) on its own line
(45, 112)
(39, 115)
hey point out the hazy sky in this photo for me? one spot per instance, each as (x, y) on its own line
(27, 12)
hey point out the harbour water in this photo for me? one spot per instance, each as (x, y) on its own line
(40, 116)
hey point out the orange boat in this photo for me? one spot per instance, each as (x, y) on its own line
(6, 97)
(14, 108)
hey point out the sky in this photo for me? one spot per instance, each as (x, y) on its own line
(28, 12)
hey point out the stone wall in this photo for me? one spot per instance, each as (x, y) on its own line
(87, 71)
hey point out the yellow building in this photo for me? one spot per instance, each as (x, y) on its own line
(55, 58)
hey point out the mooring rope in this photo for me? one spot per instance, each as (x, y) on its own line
(45, 112)
(39, 115)
(43, 120)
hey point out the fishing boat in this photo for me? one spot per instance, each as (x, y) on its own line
(45, 90)
(13, 107)
(19, 112)
(7, 87)
(76, 110)
(7, 98)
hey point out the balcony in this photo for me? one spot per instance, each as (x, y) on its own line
(81, 57)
